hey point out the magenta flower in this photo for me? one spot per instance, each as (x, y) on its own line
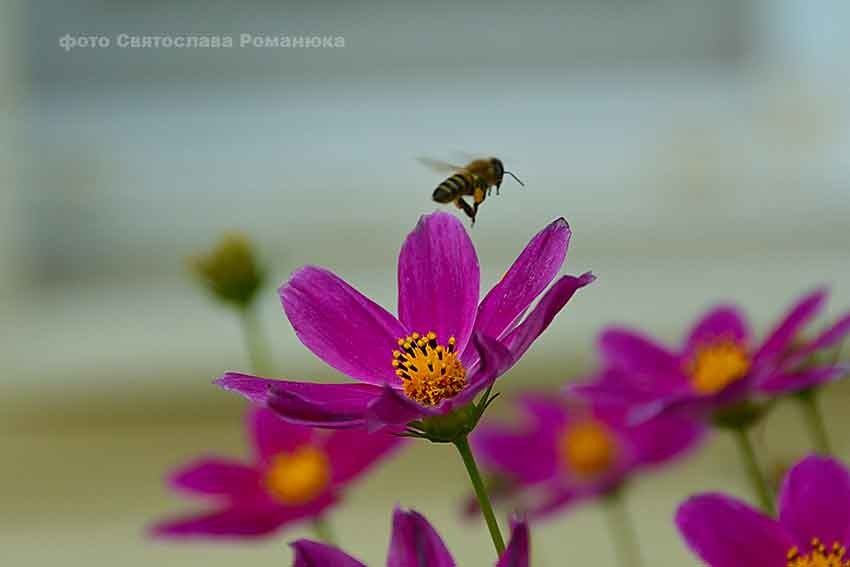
(567, 453)
(442, 350)
(719, 363)
(414, 543)
(813, 528)
(296, 475)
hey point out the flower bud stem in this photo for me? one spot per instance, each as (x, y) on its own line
(465, 451)
(622, 529)
(757, 480)
(814, 421)
(256, 342)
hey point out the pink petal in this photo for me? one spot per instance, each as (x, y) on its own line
(394, 408)
(218, 477)
(723, 322)
(313, 554)
(634, 353)
(725, 532)
(829, 338)
(331, 406)
(523, 336)
(815, 502)
(415, 543)
(438, 279)
(791, 325)
(271, 435)
(518, 551)
(528, 457)
(341, 326)
(534, 269)
(784, 383)
(251, 521)
(493, 361)
(352, 452)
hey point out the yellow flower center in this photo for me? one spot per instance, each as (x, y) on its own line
(716, 365)
(819, 556)
(588, 448)
(430, 371)
(298, 477)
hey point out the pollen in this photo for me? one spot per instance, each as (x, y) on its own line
(587, 448)
(298, 477)
(716, 365)
(430, 372)
(819, 556)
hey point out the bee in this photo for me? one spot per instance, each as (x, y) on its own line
(476, 180)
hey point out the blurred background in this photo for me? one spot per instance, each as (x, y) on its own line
(700, 151)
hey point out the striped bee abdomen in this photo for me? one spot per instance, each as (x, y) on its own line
(451, 188)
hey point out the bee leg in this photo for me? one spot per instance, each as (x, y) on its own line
(464, 206)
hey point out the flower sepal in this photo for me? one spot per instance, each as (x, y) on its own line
(452, 426)
(740, 415)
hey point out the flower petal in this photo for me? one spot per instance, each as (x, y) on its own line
(664, 438)
(353, 451)
(346, 329)
(438, 279)
(493, 361)
(614, 385)
(306, 403)
(394, 408)
(634, 353)
(815, 502)
(415, 543)
(830, 337)
(313, 554)
(784, 383)
(725, 532)
(521, 338)
(253, 388)
(258, 519)
(333, 406)
(723, 322)
(527, 457)
(518, 551)
(800, 314)
(218, 477)
(534, 269)
(271, 435)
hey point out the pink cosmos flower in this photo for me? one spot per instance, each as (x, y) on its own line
(566, 453)
(414, 543)
(719, 362)
(297, 473)
(813, 528)
(444, 347)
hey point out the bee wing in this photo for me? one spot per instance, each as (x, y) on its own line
(439, 166)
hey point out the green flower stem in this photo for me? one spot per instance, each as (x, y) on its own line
(757, 480)
(462, 445)
(256, 342)
(814, 421)
(322, 530)
(622, 529)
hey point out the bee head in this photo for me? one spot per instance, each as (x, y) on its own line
(442, 195)
(498, 170)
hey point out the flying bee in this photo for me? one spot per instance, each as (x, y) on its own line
(476, 180)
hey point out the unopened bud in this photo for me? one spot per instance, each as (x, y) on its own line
(231, 270)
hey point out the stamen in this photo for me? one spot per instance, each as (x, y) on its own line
(430, 371)
(716, 365)
(298, 477)
(588, 448)
(819, 556)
